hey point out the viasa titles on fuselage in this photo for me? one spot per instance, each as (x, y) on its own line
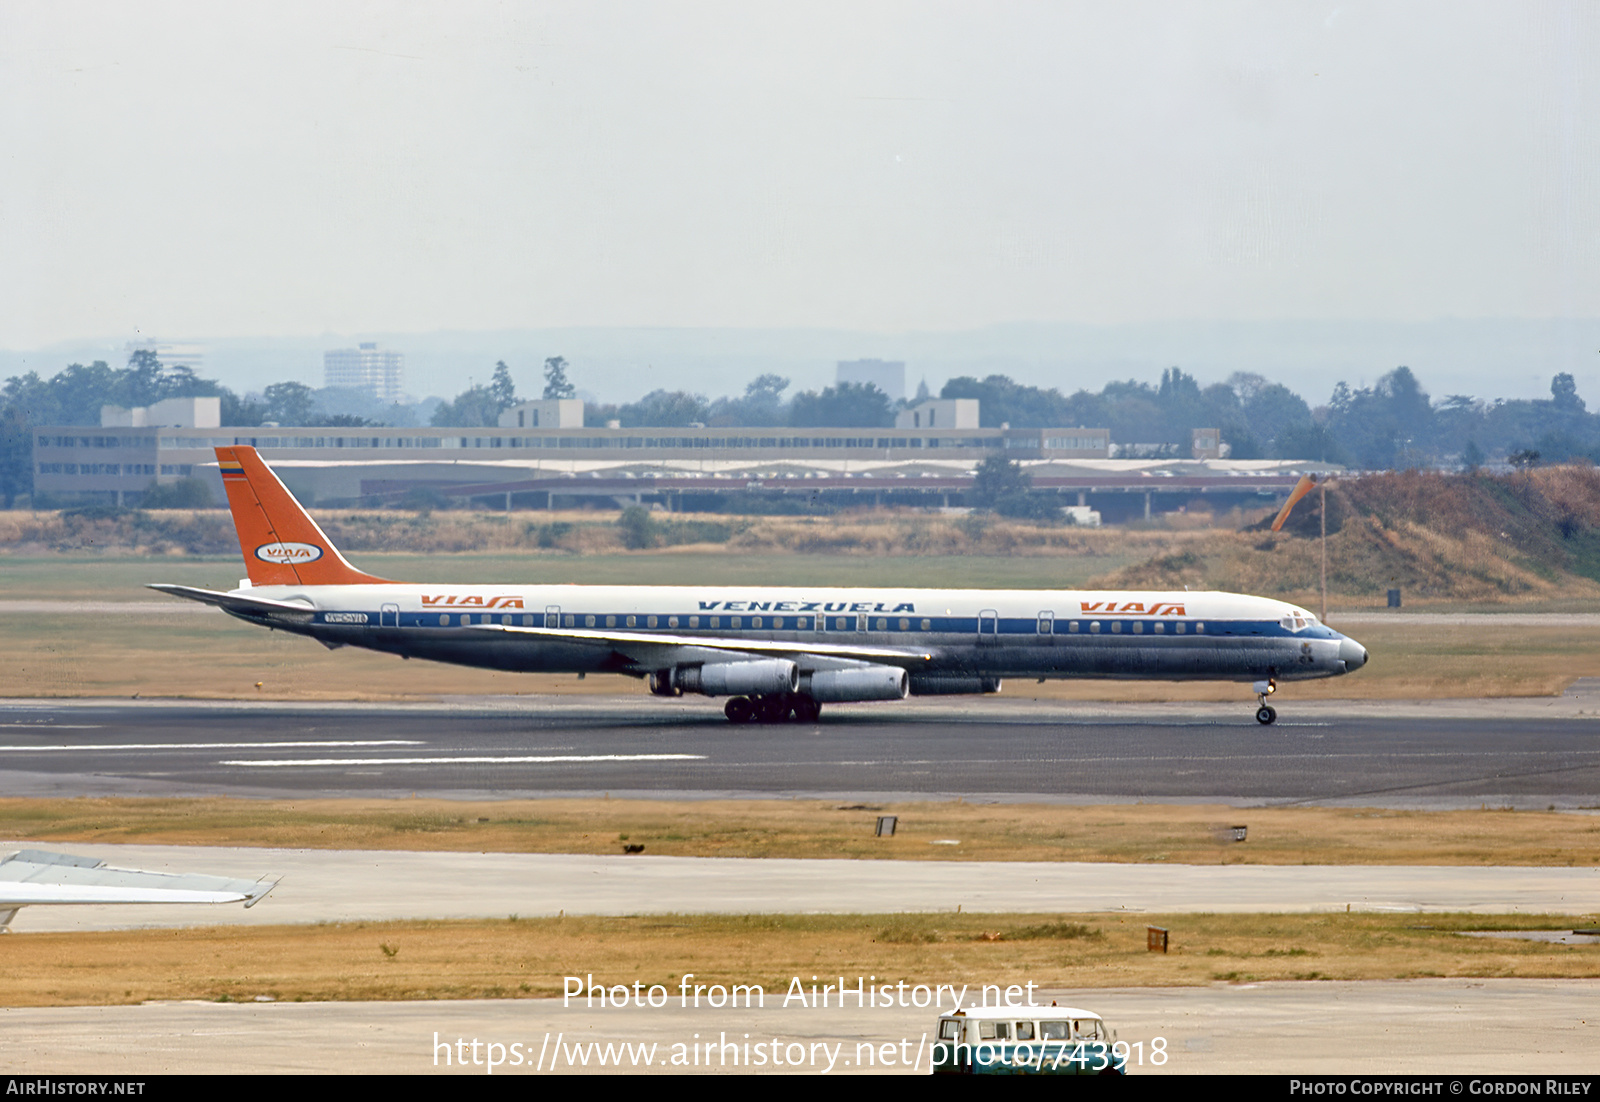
(775, 653)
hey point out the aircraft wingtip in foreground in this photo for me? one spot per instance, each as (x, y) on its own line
(31, 878)
(775, 653)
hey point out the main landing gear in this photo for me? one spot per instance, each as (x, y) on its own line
(777, 708)
(1265, 713)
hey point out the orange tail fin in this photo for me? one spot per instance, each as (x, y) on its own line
(282, 545)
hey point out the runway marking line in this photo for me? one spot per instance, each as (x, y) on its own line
(214, 745)
(524, 760)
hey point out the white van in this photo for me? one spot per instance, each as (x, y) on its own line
(1026, 1040)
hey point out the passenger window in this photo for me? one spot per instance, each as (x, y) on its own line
(588, 621)
(949, 1030)
(840, 625)
(611, 621)
(650, 622)
(1055, 1031)
(1200, 629)
(527, 621)
(444, 621)
(1160, 628)
(1024, 1031)
(1116, 627)
(633, 621)
(883, 625)
(1073, 627)
(755, 621)
(1138, 627)
(1088, 1029)
(927, 625)
(694, 621)
(716, 621)
(905, 624)
(1180, 629)
(736, 621)
(994, 1031)
(1094, 628)
(672, 621)
(572, 621)
(505, 621)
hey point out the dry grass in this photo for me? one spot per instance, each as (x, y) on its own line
(1130, 833)
(530, 958)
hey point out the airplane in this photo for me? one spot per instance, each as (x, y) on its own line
(32, 877)
(776, 654)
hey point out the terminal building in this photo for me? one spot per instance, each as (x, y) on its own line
(540, 456)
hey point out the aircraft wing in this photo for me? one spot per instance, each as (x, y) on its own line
(665, 649)
(233, 602)
(30, 877)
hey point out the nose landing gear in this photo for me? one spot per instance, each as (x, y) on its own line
(1265, 713)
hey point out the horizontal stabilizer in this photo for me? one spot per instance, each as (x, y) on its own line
(239, 605)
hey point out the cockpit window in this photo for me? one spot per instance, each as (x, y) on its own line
(1295, 620)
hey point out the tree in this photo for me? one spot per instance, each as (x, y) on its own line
(670, 408)
(1564, 392)
(848, 405)
(288, 403)
(555, 379)
(501, 388)
(639, 529)
(473, 408)
(998, 477)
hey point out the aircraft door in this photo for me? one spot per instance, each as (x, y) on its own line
(989, 626)
(552, 616)
(389, 616)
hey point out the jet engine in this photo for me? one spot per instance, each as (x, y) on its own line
(945, 685)
(865, 683)
(759, 678)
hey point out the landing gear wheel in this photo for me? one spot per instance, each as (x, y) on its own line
(773, 709)
(739, 710)
(1266, 714)
(806, 710)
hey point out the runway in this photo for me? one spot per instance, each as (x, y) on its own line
(1449, 1029)
(1526, 754)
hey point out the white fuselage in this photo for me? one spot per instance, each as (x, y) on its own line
(969, 632)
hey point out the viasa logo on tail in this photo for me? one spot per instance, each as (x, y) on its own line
(289, 553)
(1157, 608)
(471, 601)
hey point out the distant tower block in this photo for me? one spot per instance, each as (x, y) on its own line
(378, 371)
(888, 376)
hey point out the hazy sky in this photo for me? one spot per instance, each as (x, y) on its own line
(213, 170)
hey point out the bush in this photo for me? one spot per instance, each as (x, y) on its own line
(186, 493)
(639, 529)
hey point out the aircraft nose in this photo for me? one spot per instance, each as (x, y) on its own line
(1352, 654)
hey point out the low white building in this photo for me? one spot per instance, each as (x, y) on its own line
(544, 413)
(171, 413)
(940, 413)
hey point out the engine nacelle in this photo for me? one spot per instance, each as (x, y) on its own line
(760, 678)
(938, 684)
(842, 686)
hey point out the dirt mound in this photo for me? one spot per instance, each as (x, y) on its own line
(1464, 537)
